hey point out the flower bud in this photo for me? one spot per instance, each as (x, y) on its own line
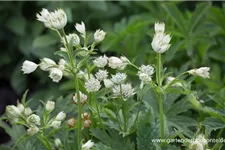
(119, 78)
(116, 63)
(61, 116)
(33, 120)
(32, 130)
(80, 28)
(108, 83)
(159, 27)
(195, 145)
(58, 142)
(62, 64)
(88, 145)
(27, 111)
(72, 38)
(71, 122)
(101, 61)
(12, 111)
(20, 107)
(83, 98)
(46, 64)
(202, 72)
(85, 116)
(99, 35)
(87, 123)
(56, 124)
(101, 75)
(56, 74)
(50, 106)
(28, 67)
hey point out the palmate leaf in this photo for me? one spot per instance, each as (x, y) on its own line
(212, 124)
(147, 129)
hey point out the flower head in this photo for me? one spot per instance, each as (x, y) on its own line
(56, 19)
(80, 28)
(159, 27)
(116, 63)
(47, 64)
(195, 145)
(33, 120)
(62, 64)
(126, 90)
(58, 142)
(92, 85)
(202, 72)
(87, 123)
(88, 145)
(27, 111)
(13, 112)
(101, 75)
(71, 122)
(28, 67)
(101, 61)
(160, 42)
(83, 98)
(20, 107)
(56, 124)
(72, 38)
(56, 74)
(32, 130)
(50, 106)
(119, 78)
(61, 116)
(99, 35)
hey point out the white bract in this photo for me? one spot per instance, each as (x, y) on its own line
(50, 105)
(101, 61)
(56, 124)
(195, 145)
(62, 64)
(116, 63)
(58, 142)
(27, 111)
(119, 78)
(88, 145)
(159, 27)
(108, 83)
(72, 38)
(99, 35)
(125, 89)
(33, 120)
(20, 107)
(101, 75)
(61, 116)
(202, 72)
(145, 74)
(170, 79)
(56, 74)
(92, 85)
(80, 28)
(13, 112)
(55, 20)
(32, 130)
(46, 64)
(202, 140)
(28, 67)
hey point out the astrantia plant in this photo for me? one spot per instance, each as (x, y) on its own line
(109, 106)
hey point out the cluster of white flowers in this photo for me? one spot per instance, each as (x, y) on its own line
(202, 72)
(198, 144)
(83, 98)
(92, 85)
(118, 78)
(55, 20)
(170, 79)
(145, 74)
(125, 89)
(101, 61)
(160, 42)
(88, 145)
(101, 75)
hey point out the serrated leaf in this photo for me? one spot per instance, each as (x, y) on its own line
(213, 124)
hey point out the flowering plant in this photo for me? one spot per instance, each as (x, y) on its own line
(105, 99)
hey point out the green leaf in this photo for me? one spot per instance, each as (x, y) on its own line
(17, 25)
(213, 124)
(199, 12)
(44, 41)
(98, 5)
(21, 139)
(62, 54)
(23, 100)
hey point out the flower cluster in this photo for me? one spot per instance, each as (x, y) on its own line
(145, 74)
(202, 72)
(160, 42)
(86, 120)
(199, 143)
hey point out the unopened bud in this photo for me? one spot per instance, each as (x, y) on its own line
(87, 123)
(71, 122)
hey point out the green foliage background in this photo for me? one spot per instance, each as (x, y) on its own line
(198, 35)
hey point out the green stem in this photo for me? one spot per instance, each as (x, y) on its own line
(174, 80)
(158, 73)
(123, 109)
(161, 116)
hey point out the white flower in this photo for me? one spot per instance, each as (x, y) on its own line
(80, 28)
(88, 145)
(72, 38)
(149, 70)
(58, 142)
(101, 61)
(50, 106)
(108, 83)
(20, 107)
(159, 27)
(83, 98)
(28, 67)
(56, 74)
(195, 145)
(63, 49)
(62, 64)
(99, 35)
(101, 75)
(202, 72)
(32, 130)
(119, 78)
(27, 111)
(116, 63)
(170, 79)
(92, 85)
(56, 124)
(46, 64)
(202, 140)
(61, 116)
(33, 120)
(13, 112)
(127, 91)
(56, 19)
(160, 42)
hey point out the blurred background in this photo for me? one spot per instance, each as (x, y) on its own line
(197, 29)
